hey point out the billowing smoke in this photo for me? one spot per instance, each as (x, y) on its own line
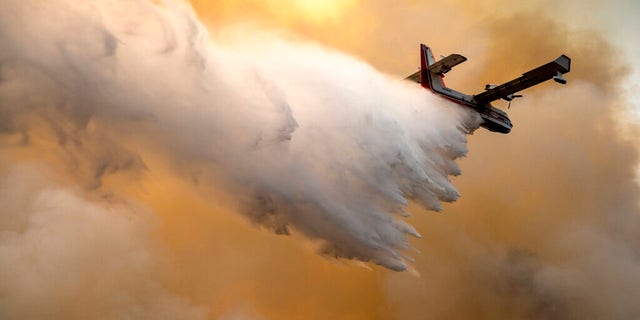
(294, 136)
(547, 227)
(127, 100)
(67, 257)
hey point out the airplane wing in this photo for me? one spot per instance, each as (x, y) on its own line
(443, 66)
(553, 69)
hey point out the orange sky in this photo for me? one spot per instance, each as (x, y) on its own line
(488, 254)
(546, 227)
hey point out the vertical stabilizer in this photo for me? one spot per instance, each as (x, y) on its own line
(426, 57)
(428, 79)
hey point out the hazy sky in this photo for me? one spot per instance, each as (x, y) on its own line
(385, 34)
(152, 169)
(520, 242)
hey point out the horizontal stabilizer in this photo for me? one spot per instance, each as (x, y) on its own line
(414, 77)
(551, 70)
(443, 66)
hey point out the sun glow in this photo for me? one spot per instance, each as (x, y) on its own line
(322, 9)
(289, 13)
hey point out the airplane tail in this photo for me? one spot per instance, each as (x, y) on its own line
(427, 79)
(426, 57)
(431, 73)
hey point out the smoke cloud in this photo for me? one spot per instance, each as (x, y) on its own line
(547, 225)
(296, 135)
(130, 100)
(64, 256)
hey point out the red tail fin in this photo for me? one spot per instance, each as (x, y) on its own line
(428, 79)
(426, 60)
(426, 57)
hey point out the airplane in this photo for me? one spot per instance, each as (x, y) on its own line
(432, 72)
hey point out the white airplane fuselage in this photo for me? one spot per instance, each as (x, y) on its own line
(493, 118)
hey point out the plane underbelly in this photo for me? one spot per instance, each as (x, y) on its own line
(492, 119)
(495, 124)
